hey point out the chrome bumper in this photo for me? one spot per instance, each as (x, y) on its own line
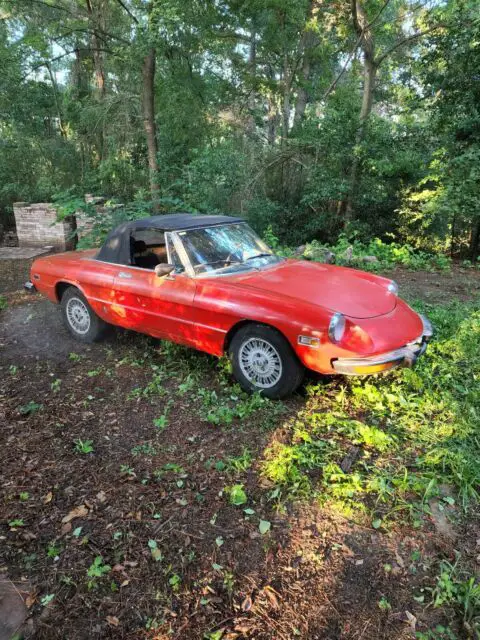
(30, 287)
(404, 357)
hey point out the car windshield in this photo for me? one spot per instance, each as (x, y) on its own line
(229, 247)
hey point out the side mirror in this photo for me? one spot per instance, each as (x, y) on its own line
(162, 270)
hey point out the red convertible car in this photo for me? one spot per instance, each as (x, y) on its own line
(211, 283)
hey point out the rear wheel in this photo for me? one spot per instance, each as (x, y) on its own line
(80, 319)
(264, 361)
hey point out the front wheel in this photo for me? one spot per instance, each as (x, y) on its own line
(264, 361)
(79, 317)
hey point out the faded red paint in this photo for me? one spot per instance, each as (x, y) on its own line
(296, 297)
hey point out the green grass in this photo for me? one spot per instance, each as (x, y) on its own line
(417, 429)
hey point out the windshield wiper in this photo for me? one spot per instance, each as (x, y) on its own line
(214, 262)
(258, 255)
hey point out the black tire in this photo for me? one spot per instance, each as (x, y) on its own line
(85, 326)
(284, 372)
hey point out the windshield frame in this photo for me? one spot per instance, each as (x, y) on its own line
(189, 268)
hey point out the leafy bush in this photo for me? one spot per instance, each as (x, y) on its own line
(388, 255)
(112, 213)
(416, 429)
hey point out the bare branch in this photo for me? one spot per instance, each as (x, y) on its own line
(406, 40)
(46, 63)
(357, 44)
(101, 34)
(125, 8)
(344, 68)
(55, 7)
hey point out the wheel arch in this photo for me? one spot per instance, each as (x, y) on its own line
(62, 286)
(245, 322)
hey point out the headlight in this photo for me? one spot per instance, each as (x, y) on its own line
(336, 328)
(393, 287)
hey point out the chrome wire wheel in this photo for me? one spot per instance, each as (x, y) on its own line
(260, 362)
(78, 316)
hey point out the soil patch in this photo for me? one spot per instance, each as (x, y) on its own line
(115, 513)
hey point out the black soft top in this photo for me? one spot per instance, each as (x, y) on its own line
(117, 246)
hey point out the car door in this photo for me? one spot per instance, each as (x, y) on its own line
(159, 306)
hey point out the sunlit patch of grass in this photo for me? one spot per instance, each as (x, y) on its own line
(415, 430)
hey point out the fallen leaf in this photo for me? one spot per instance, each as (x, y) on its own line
(269, 592)
(78, 512)
(101, 496)
(412, 620)
(48, 498)
(118, 567)
(247, 604)
(28, 535)
(264, 526)
(243, 628)
(30, 600)
(124, 583)
(113, 620)
(66, 528)
(399, 560)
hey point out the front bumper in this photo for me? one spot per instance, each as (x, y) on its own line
(404, 357)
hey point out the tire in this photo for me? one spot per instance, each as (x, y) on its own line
(264, 361)
(80, 319)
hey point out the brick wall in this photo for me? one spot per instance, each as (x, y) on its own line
(85, 223)
(37, 226)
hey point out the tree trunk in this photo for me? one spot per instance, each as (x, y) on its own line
(369, 75)
(302, 94)
(148, 94)
(360, 23)
(475, 241)
(306, 43)
(272, 115)
(57, 102)
(252, 70)
(287, 86)
(98, 63)
(95, 16)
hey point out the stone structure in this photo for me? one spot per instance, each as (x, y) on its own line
(86, 223)
(37, 226)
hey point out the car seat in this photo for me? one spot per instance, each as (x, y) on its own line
(142, 257)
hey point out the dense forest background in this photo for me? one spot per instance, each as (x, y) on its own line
(309, 117)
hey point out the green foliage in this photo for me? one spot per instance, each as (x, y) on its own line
(454, 589)
(97, 570)
(83, 446)
(241, 129)
(3, 303)
(388, 255)
(30, 408)
(236, 494)
(415, 428)
(46, 599)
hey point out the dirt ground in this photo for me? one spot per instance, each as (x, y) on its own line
(178, 560)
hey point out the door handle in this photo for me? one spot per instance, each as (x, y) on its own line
(124, 274)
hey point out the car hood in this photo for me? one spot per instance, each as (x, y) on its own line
(354, 293)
